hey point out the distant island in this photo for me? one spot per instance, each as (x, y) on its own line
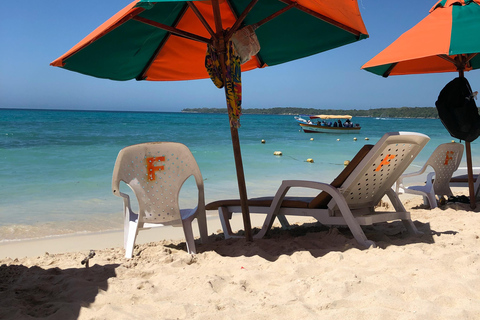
(403, 112)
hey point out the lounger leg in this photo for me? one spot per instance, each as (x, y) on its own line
(225, 217)
(202, 226)
(397, 204)
(355, 227)
(283, 221)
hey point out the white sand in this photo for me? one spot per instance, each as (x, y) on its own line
(322, 274)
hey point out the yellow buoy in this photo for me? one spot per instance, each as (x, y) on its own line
(277, 153)
(346, 162)
(263, 141)
(453, 140)
(354, 139)
(338, 139)
(310, 160)
(367, 139)
(311, 139)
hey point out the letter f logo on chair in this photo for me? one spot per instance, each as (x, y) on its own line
(385, 161)
(448, 156)
(151, 168)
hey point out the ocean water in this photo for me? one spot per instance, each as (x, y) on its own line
(56, 166)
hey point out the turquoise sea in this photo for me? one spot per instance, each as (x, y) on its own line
(56, 166)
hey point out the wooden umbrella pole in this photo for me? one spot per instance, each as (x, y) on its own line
(221, 48)
(471, 189)
(241, 184)
(460, 63)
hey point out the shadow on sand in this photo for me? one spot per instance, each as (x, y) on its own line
(315, 238)
(50, 293)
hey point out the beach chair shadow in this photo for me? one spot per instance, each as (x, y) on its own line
(350, 199)
(316, 239)
(444, 160)
(156, 172)
(30, 293)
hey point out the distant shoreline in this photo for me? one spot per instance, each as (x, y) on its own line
(403, 112)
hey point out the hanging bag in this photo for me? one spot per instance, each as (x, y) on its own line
(457, 110)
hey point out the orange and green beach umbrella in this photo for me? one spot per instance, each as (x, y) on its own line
(447, 40)
(167, 40)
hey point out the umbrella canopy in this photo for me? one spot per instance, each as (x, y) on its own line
(152, 39)
(164, 40)
(447, 40)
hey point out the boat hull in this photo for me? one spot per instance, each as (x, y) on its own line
(312, 128)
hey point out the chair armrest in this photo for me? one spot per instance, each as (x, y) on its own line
(429, 182)
(399, 187)
(412, 174)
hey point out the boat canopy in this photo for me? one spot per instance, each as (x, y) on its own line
(328, 116)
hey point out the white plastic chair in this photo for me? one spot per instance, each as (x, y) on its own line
(444, 160)
(156, 172)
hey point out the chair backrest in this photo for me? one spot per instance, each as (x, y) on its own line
(156, 171)
(380, 168)
(445, 160)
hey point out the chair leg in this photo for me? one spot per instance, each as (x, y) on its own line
(432, 199)
(130, 236)
(189, 239)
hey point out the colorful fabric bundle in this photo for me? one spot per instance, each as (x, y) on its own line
(233, 81)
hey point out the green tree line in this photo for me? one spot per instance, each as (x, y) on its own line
(403, 112)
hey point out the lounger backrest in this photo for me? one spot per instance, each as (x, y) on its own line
(155, 172)
(445, 160)
(322, 200)
(380, 168)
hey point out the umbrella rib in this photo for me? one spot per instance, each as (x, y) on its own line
(446, 57)
(322, 17)
(234, 28)
(201, 18)
(273, 16)
(240, 19)
(387, 72)
(173, 30)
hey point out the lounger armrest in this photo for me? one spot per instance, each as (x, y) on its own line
(287, 184)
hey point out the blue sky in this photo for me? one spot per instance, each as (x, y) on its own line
(33, 33)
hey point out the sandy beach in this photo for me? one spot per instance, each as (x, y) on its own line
(309, 272)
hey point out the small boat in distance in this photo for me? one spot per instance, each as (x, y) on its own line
(325, 123)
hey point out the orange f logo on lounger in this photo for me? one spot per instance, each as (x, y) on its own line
(448, 157)
(151, 168)
(385, 161)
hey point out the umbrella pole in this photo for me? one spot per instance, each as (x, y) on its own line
(468, 150)
(471, 189)
(241, 183)
(221, 47)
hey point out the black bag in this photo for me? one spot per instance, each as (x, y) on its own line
(457, 109)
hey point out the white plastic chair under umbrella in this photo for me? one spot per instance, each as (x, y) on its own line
(156, 172)
(444, 160)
